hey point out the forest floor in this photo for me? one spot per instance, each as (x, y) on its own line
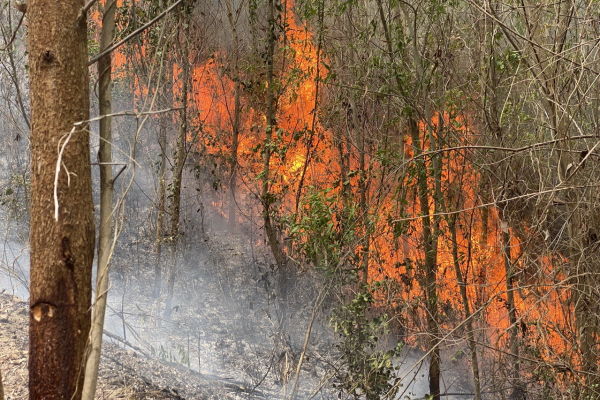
(225, 320)
(124, 373)
(225, 337)
(223, 340)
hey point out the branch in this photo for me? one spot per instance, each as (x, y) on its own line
(506, 29)
(126, 343)
(14, 35)
(133, 34)
(557, 188)
(86, 8)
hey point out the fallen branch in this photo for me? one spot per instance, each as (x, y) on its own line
(126, 343)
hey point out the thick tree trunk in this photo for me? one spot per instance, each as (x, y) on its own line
(106, 202)
(62, 227)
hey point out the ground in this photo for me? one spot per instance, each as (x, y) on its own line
(124, 374)
(222, 341)
(224, 338)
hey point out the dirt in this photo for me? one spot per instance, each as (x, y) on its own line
(124, 374)
(223, 340)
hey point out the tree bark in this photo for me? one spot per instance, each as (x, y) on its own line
(106, 202)
(237, 110)
(180, 156)
(62, 238)
(162, 192)
(266, 195)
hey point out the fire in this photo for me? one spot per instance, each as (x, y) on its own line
(305, 151)
(297, 123)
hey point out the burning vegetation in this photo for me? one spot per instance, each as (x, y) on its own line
(433, 166)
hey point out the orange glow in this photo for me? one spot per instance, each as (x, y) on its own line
(305, 150)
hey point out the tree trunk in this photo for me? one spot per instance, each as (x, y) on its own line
(513, 330)
(106, 203)
(462, 285)
(430, 225)
(430, 251)
(162, 192)
(237, 110)
(266, 195)
(180, 156)
(362, 188)
(61, 238)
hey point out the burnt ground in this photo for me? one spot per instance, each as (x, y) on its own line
(223, 340)
(226, 320)
(124, 374)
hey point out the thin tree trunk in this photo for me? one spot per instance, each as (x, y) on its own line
(462, 285)
(513, 344)
(237, 110)
(317, 80)
(430, 252)
(62, 211)
(266, 195)
(180, 157)
(106, 203)
(362, 190)
(430, 225)
(162, 192)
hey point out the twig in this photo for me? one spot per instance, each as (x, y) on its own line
(265, 375)
(133, 34)
(14, 35)
(318, 303)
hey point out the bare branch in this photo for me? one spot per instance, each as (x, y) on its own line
(134, 33)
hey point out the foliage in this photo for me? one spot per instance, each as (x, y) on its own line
(366, 370)
(324, 233)
(326, 236)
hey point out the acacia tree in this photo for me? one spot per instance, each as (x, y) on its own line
(62, 225)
